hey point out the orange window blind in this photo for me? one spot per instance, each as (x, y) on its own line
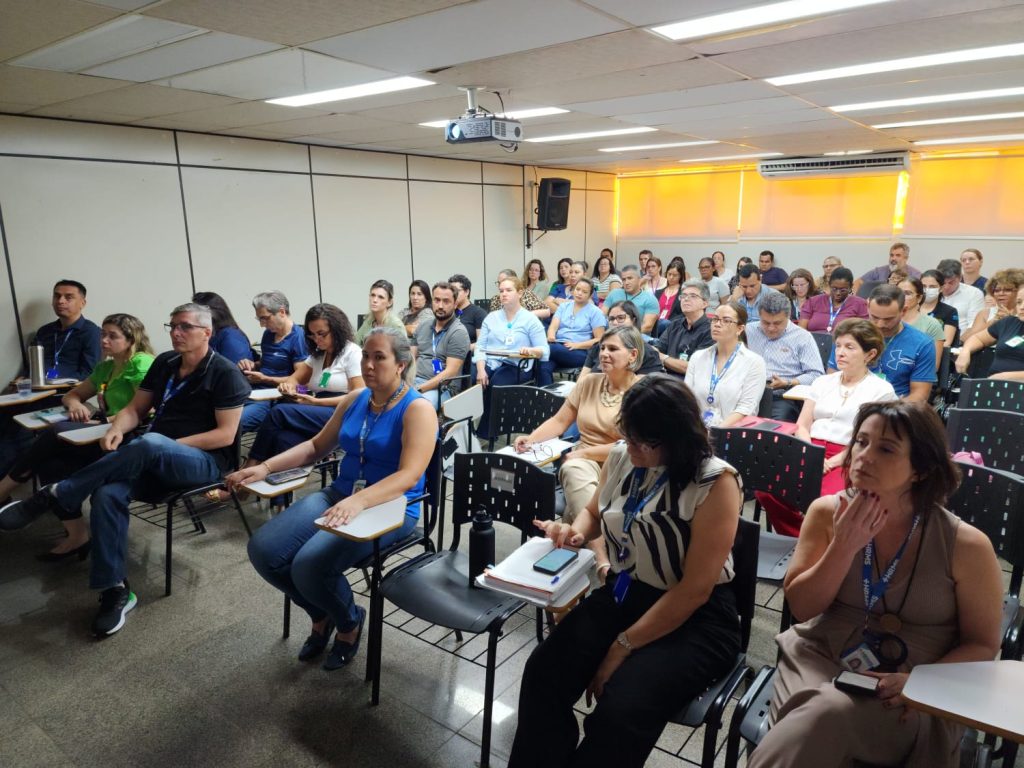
(688, 205)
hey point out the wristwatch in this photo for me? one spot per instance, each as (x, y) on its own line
(623, 640)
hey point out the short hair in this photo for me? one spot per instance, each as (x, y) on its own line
(841, 273)
(864, 332)
(933, 274)
(949, 268)
(660, 409)
(582, 265)
(609, 251)
(975, 251)
(1011, 277)
(697, 285)
(630, 268)
(631, 340)
(202, 313)
(463, 281)
(443, 285)
(337, 323)
(629, 308)
(749, 270)
(514, 280)
(649, 253)
(884, 295)
(775, 303)
(385, 286)
(400, 348)
(219, 310)
(73, 284)
(272, 301)
(708, 259)
(769, 254)
(134, 332)
(507, 273)
(902, 246)
(935, 477)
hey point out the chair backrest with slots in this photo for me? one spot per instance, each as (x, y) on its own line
(825, 343)
(521, 409)
(997, 435)
(994, 394)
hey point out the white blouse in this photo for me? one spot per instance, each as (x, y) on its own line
(739, 389)
(834, 415)
(344, 367)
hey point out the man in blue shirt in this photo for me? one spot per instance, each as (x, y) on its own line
(282, 348)
(645, 302)
(772, 276)
(908, 360)
(790, 353)
(751, 290)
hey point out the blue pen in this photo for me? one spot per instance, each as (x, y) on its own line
(555, 580)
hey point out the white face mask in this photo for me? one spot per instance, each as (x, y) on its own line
(931, 294)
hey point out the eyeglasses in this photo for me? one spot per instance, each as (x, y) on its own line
(693, 296)
(835, 289)
(183, 327)
(263, 318)
(641, 446)
(715, 320)
(618, 318)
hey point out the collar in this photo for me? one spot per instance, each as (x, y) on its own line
(444, 327)
(77, 325)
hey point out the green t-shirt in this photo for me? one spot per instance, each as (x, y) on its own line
(119, 390)
(390, 321)
(930, 326)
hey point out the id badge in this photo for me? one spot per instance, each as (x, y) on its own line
(622, 582)
(437, 365)
(324, 378)
(860, 658)
(684, 356)
(53, 373)
(358, 485)
(1015, 342)
(707, 416)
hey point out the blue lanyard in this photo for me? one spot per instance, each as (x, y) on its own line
(716, 377)
(634, 504)
(435, 337)
(832, 315)
(169, 394)
(873, 591)
(367, 428)
(53, 373)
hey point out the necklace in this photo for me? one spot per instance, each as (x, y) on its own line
(845, 394)
(390, 400)
(608, 398)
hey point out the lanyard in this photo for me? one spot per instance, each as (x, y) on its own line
(169, 394)
(435, 337)
(54, 373)
(367, 428)
(717, 377)
(634, 504)
(508, 334)
(833, 314)
(873, 591)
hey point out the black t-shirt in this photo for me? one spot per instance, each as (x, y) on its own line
(472, 317)
(947, 315)
(216, 385)
(1009, 350)
(680, 340)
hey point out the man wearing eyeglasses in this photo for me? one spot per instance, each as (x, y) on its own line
(197, 397)
(689, 331)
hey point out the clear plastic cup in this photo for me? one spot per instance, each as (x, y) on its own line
(24, 387)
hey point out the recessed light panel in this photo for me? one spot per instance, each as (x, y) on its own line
(640, 147)
(352, 92)
(915, 101)
(972, 140)
(947, 120)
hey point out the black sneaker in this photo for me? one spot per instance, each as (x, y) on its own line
(18, 514)
(114, 604)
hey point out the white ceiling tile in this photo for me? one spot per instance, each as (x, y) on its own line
(718, 111)
(910, 85)
(230, 116)
(122, 5)
(650, 12)
(468, 32)
(40, 86)
(140, 101)
(28, 26)
(692, 97)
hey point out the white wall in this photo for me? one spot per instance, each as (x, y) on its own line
(145, 217)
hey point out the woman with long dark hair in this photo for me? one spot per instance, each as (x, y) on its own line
(228, 339)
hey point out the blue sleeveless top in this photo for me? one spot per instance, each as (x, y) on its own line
(383, 445)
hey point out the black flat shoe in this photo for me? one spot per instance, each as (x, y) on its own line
(343, 652)
(315, 643)
(81, 552)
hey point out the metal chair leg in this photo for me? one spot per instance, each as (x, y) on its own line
(287, 628)
(492, 657)
(167, 551)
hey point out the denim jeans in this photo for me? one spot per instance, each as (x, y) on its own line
(431, 394)
(288, 425)
(561, 357)
(148, 465)
(253, 414)
(308, 564)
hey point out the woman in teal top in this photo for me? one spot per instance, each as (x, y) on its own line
(127, 356)
(387, 432)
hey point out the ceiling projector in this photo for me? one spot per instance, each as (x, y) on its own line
(482, 128)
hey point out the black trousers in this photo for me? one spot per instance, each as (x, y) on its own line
(53, 459)
(649, 687)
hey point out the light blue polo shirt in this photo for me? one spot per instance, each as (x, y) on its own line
(578, 326)
(645, 302)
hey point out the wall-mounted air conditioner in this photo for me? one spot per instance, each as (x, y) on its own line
(856, 165)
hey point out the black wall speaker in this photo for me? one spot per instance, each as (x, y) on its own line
(553, 204)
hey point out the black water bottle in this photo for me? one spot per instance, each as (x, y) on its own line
(481, 545)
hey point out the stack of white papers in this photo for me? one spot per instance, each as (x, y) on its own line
(539, 453)
(515, 574)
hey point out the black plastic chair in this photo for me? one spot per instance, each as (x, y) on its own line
(520, 410)
(825, 343)
(993, 394)
(435, 586)
(997, 435)
(943, 378)
(708, 708)
(981, 362)
(484, 304)
(750, 718)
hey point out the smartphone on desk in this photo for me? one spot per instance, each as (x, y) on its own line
(555, 561)
(854, 682)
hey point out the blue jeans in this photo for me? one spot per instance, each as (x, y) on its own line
(148, 465)
(288, 425)
(308, 564)
(561, 357)
(431, 394)
(253, 414)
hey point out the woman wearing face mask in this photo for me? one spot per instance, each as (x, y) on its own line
(1008, 337)
(1000, 296)
(913, 293)
(931, 281)
(382, 298)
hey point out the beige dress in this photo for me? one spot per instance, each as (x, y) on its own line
(818, 726)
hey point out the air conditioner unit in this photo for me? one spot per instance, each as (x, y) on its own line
(855, 165)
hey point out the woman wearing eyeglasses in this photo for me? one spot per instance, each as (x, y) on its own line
(822, 313)
(727, 378)
(663, 626)
(1000, 292)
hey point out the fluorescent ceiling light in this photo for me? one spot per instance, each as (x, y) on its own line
(995, 93)
(896, 65)
(594, 134)
(657, 146)
(954, 155)
(848, 152)
(971, 139)
(521, 114)
(945, 120)
(352, 92)
(762, 16)
(731, 157)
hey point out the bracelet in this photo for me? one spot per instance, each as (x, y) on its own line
(269, 470)
(603, 565)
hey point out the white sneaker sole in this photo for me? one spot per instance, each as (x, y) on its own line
(132, 602)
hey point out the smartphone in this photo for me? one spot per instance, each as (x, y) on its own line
(555, 561)
(287, 475)
(854, 682)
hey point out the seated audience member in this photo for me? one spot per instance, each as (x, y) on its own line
(772, 276)
(631, 290)
(530, 301)
(734, 281)
(718, 289)
(897, 276)
(561, 289)
(387, 432)
(663, 625)
(799, 288)
(721, 270)
(282, 348)
(967, 300)
(127, 356)
(908, 362)
(688, 332)
(510, 330)
(971, 260)
(935, 596)
(790, 354)
(642, 259)
(913, 295)
(623, 313)
(382, 299)
(933, 307)
(228, 339)
(197, 396)
(727, 378)
(652, 280)
(822, 313)
(439, 348)
(470, 315)
(1000, 300)
(1008, 337)
(899, 255)
(537, 279)
(605, 278)
(419, 308)
(577, 272)
(668, 298)
(575, 328)
(827, 266)
(827, 416)
(751, 291)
